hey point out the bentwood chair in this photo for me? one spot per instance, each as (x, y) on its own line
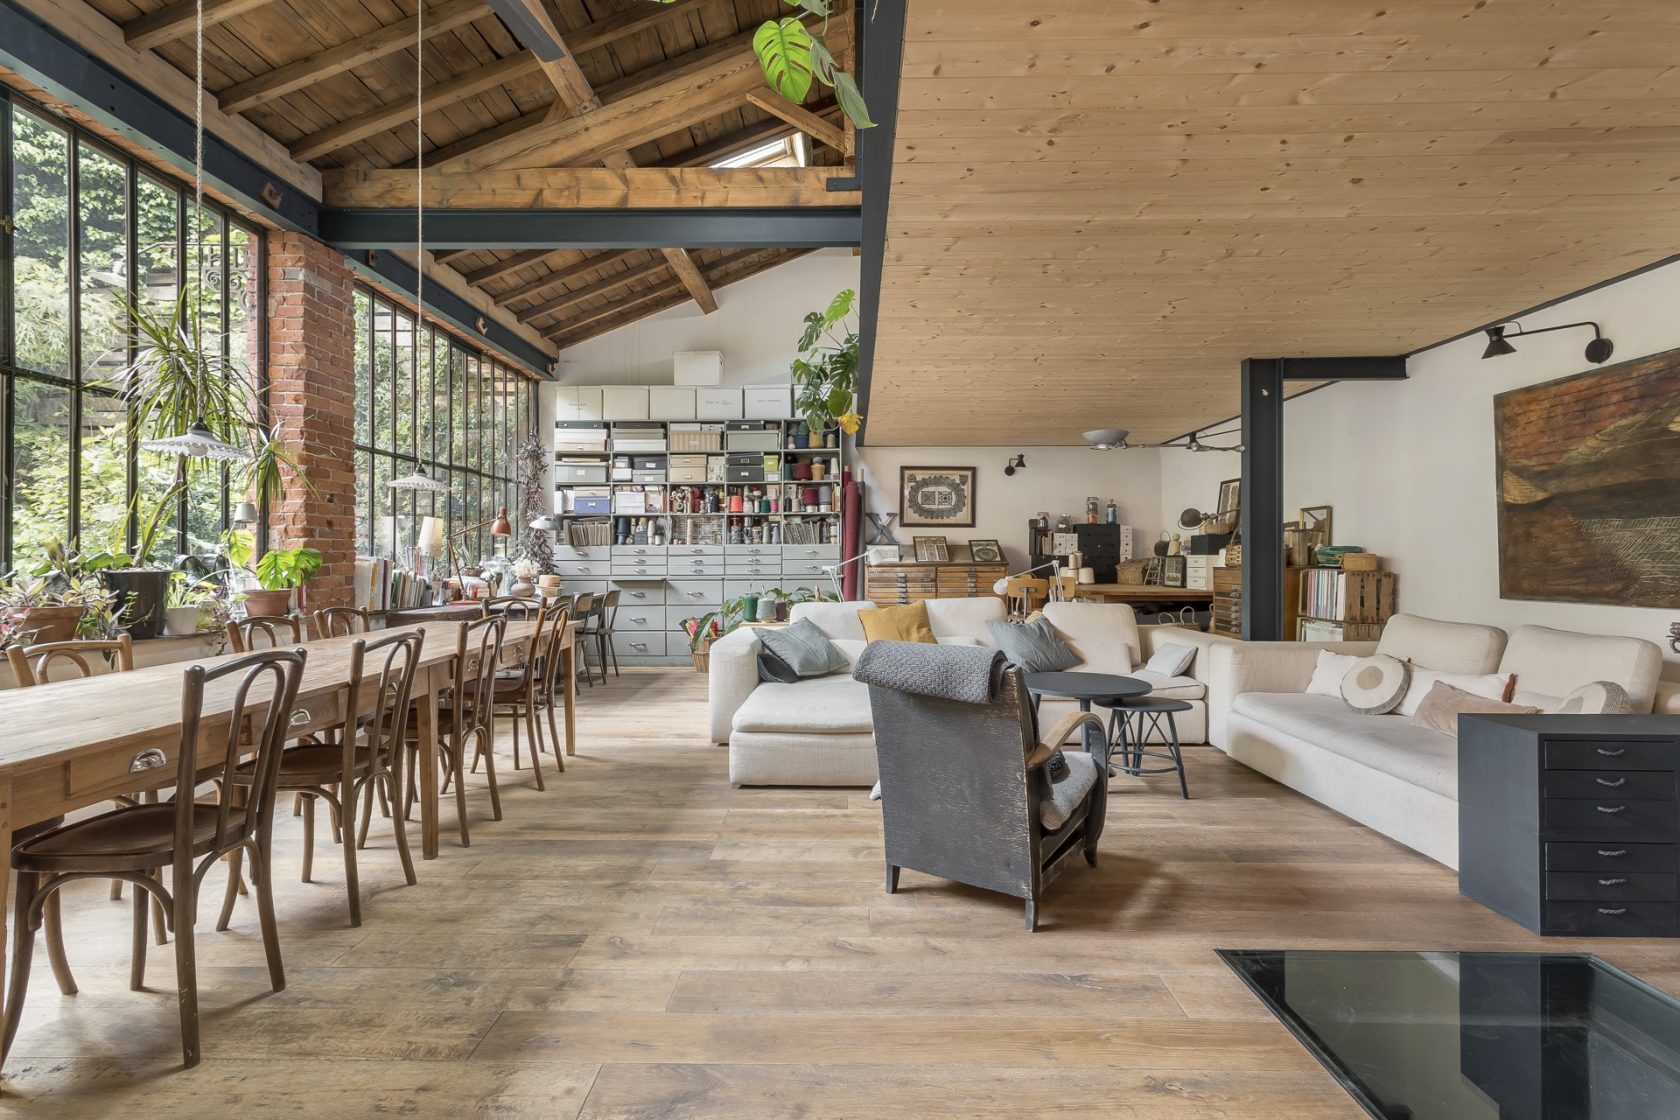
(266, 631)
(590, 622)
(40, 664)
(342, 622)
(367, 754)
(603, 633)
(583, 605)
(137, 842)
(465, 718)
(517, 608)
(520, 691)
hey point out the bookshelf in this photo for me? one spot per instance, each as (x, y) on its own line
(1338, 605)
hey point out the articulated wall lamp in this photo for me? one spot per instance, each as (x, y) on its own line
(1598, 350)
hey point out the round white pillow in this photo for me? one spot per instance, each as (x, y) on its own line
(1375, 684)
(1600, 698)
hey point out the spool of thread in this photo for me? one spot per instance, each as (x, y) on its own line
(818, 469)
(809, 496)
(736, 505)
(802, 470)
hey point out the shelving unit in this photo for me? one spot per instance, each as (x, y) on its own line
(1102, 546)
(1227, 601)
(681, 514)
(1343, 606)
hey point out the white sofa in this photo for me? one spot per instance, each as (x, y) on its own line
(1384, 771)
(818, 732)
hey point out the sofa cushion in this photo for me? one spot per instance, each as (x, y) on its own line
(1103, 635)
(1392, 745)
(1375, 685)
(797, 651)
(1328, 673)
(907, 623)
(1600, 698)
(833, 705)
(1451, 647)
(837, 620)
(1171, 659)
(964, 618)
(1164, 687)
(1550, 664)
(1489, 686)
(1033, 645)
(1443, 704)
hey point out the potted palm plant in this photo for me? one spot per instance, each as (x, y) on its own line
(825, 374)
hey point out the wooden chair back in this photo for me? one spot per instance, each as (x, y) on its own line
(517, 608)
(582, 603)
(449, 612)
(342, 622)
(609, 610)
(478, 653)
(1025, 594)
(1067, 586)
(265, 686)
(33, 665)
(265, 631)
(381, 682)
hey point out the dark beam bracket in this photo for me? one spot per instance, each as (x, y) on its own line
(880, 55)
(45, 56)
(1262, 500)
(397, 274)
(699, 228)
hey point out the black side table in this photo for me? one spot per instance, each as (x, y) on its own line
(1132, 722)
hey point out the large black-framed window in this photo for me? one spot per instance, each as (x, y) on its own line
(429, 400)
(90, 228)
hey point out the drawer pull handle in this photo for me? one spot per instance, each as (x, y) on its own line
(696, 594)
(1610, 808)
(1611, 882)
(638, 618)
(1612, 853)
(638, 645)
(1612, 911)
(299, 717)
(1617, 753)
(1618, 783)
(149, 759)
(638, 594)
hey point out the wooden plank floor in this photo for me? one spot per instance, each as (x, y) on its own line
(641, 941)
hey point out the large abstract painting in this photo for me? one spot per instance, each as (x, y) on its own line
(1589, 486)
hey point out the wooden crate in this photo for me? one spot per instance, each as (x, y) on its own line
(1368, 597)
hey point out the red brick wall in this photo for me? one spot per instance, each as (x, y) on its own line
(311, 376)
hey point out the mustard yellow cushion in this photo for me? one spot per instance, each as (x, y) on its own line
(897, 624)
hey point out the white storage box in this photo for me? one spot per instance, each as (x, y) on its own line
(767, 402)
(717, 404)
(697, 367)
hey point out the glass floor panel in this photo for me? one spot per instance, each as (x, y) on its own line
(1478, 1036)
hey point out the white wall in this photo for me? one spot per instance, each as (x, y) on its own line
(1409, 465)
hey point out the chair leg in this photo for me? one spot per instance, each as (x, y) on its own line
(352, 884)
(186, 964)
(53, 919)
(137, 953)
(260, 858)
(28, 882)
(892, 878)
(367, 814)
(490, 777)
(601, 642)
(308, 838)
(234, 882)
(534, 732)
(612, 651)
(554, 731)
(458, 761)
(116, 890)
(1178, 757)
(401, 828)
(514, 719)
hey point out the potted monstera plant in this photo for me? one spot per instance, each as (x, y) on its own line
(279, 572)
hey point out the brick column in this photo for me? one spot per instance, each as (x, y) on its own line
(312, 380)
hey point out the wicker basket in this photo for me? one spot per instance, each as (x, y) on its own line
(1130, 572)
(1361, 562)
(702, 655)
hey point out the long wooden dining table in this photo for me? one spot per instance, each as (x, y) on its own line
(75, 743)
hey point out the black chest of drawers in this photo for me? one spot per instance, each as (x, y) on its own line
(1571, 824)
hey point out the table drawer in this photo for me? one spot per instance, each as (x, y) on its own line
(1632, 785)
(1608, 755)
(1590, 885)
(1609, 815)
(1614, 857)
(1635, 919)
(636, 644)
(122, 769)
(583, 569)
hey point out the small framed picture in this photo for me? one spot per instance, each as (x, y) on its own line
(932, 550)
(882, 554)
(985, 552)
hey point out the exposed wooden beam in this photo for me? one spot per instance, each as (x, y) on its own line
(802, 119)
(437, 96)
(589, 291)
(590, 188)
(689, 273)
(512, 263)
(530, 23)
(172, 21)
(242, 96)
(444, 255)
(665, 291)
(653, 103)
(566, 276)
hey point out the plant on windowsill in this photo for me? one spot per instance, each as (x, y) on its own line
(279, 572)
(195, 605)
(825, 375)
(37, 609)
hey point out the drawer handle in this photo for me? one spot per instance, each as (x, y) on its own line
(1611, 882)
(638, 618)
(638, 594)
(299, 717)
(1612, 853)
(149, 759)
(1618, 783)
(1617, 753)
(638, 645)
(1610, 808)
(1612, 912)
(696, 594)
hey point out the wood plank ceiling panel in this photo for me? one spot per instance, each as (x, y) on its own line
(1103, 206)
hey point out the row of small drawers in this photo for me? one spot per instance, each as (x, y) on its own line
(688, 595)
(1611, 887)
(610, 553)
(744, 567)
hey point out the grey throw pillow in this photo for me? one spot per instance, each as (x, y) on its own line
(797, 651)
(1034, 646)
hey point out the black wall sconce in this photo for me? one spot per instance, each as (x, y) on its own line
(1015, 463)
(1598, 350)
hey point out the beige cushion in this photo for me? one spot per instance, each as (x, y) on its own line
(1328, 673)
(1171, 688)
(1550, 664)
(1104, 635)
(965, 618)
(833, 705)
(1451, 647)
(1600, 698)
(1441, 707)
(1375, 685)
(1489, 686)
(1392, 745)
(837, 620)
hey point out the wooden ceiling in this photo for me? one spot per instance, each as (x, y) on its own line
(640, 85)
(1100, 207)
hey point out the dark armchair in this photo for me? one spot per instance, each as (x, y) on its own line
(965, 793)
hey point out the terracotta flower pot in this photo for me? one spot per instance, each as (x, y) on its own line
(268, 602)
(52, 624)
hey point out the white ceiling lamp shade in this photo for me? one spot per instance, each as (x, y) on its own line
(1107, 439)
(197, 442)
(420, 482)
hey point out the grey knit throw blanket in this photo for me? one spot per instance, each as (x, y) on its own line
(970, 674)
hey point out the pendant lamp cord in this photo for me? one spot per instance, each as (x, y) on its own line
(419, 170)
(198, 157)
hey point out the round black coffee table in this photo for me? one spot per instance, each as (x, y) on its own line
(1087, 688)
(1130, 726)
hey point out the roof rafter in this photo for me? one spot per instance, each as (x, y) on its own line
(605, 284)
(173, 21)
(803, 119)
(567, 276)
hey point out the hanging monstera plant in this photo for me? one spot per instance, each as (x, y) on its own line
(793, 55)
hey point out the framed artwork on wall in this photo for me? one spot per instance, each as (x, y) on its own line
(1587, 470)
(932, 550)
(985, 552)
(1230, 505)
(936, 497)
